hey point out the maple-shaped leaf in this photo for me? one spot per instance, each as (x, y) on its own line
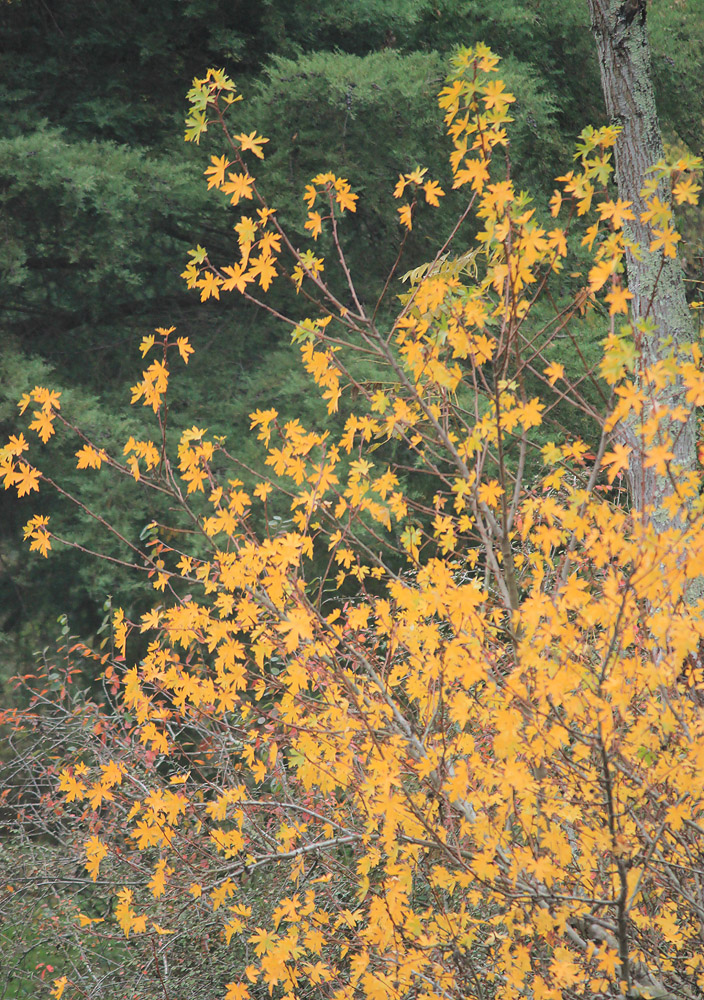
(48, 398)
(263, 267)
(43, 424)
(73, 788)
(36, 530)
(59, 986)
(554, 371)
(530, 413)
(157, 883)
(26, 479)
(658, 212)
(345, 198)
(16, 445)
(556, 203)
(665, 238)
(501, 194)
(658, 458)
(253, 142)
(685, 192)
(196, 125)
(474, 172)
(161, 930)
(237, 991)
(616, 211)
(246, 230)
(184, 347)
(618, 299)
(600, 273)
(216, 172)
(270, 243)
(237, 277)
(90, 458)
(209, 285)
(146, 345)
(95, 852)
(314, 224)
(405, 216)
(433, 192)
(558, 241)
(7, 471)
(239, 186)
(400, 186)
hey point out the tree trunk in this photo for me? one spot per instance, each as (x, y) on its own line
(656, 281)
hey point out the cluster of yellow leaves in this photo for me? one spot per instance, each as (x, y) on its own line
(144, 450)
(333, 717)
(321, 365)
(259, 239)
(95, 849)
(416, 180)
(309, 265)
(204, 97)
(152, 388)
(489, 760)
(36, 532)
(476, 113)
(336, 191)
(594, 151)
(42, 418)
(126, 916)
(15, 471)
(259, 247)
(155, 380)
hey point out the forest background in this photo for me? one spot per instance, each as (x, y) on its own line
(101, 201)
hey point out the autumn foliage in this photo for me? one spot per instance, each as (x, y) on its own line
(417, 709)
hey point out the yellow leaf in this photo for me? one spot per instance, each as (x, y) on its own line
(686, 191)
(184, 347)
(600, 273)
(26, 479)
(209, 286)
(617, 460)
(253, 142)
(665, 238)
(237, 991)
(59, 987)
(314, 224)
(239, 186)
(618, 299)
(146, 345)
(405, 216)
(216, 172)
(554, 371)
(616, 211)
(433, 192)
(89, 458)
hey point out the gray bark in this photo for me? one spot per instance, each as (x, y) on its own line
(656, 281)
